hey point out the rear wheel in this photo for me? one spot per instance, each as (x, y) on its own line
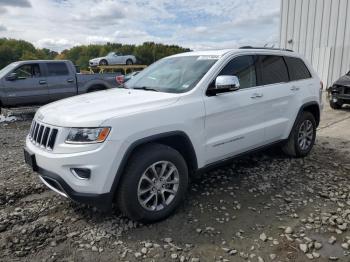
(154, 183)
(302, 137)
(335, 105)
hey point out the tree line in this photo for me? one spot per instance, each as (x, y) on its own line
(12, 50)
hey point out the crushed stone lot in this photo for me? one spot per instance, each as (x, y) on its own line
(263, 207)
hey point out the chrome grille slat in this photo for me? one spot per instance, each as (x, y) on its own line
(42, 135)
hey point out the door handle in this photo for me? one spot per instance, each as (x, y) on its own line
(256, 95)
(70, 80)
(294, 88)
(42, 82)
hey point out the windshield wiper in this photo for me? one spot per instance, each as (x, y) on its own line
(146, 88)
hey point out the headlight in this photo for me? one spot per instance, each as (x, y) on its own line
(87, 135)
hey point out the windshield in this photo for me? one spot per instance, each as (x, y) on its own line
(173, 75)
(7, 69)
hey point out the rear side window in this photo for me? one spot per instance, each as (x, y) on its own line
(273, 69)
(297, 68)
(57, 69)
(244, 68)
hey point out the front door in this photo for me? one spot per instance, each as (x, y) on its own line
(29, 87)
(235, 121)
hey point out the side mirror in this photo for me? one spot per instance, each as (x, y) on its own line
(224, 84)
(11, 77)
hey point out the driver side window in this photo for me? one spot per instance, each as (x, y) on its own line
(28, 71)
(244, 68)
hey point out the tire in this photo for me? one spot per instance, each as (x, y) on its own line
(130, 195)
(294, 146)
(129, 62)
(335, 105)
(103, 62)
(95, 89)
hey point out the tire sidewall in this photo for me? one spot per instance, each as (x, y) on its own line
(103, 62)
(305, 116)
(133, 177)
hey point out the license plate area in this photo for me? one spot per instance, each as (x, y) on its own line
(30, 160)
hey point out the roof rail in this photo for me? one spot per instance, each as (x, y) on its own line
(267, 48)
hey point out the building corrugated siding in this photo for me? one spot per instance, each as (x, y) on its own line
(320, 30)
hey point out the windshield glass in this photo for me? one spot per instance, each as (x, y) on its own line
(173, 75)
(7, 69)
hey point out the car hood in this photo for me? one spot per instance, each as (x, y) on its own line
(343, 81)
(90, 110)
(97, 58)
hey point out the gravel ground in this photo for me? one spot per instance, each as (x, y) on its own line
(264, 207)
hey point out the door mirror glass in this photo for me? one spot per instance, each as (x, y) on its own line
(227, 82)
(11, 77)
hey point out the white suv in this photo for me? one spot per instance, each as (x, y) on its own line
(138, 145)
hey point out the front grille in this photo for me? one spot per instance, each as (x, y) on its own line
(42, 135)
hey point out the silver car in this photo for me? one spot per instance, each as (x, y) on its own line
(113, 58)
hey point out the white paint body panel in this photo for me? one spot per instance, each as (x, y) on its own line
(218, 127)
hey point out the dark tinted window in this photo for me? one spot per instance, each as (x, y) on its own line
(297, 69)
(244, 68)
(273, 70)
(57, 69)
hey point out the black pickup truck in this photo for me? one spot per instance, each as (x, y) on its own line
(38, 82)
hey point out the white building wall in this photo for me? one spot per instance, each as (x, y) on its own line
(319, 30)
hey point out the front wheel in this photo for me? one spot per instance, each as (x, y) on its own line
(335, 105)
(302, 136)
(103, 62)
(129, 62)
(154, 183)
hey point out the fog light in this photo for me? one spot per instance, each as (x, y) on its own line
(81, 173)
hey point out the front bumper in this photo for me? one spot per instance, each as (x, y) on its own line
(60, 186)
(57, 184)
(93, 63)
(55, 170)
(340, 93)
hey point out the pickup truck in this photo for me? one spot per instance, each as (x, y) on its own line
(38, 82)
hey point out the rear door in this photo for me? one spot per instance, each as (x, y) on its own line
(234, 121)
(30, 87)
(279, 98)
(61, 80)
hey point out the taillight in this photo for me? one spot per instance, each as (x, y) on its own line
(119, 79)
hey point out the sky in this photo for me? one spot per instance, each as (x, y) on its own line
(195, 24)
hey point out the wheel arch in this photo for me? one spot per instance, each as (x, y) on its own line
(311, 107)
(314, 109)
(175, 139)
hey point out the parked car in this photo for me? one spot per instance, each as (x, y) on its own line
(339, 92)
(185, 114)
(113, 58)
(39, 82)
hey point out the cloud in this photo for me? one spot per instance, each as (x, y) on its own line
(55, 43)
(3, 10)
(16, 3)
(195, 24)
(3, 28)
